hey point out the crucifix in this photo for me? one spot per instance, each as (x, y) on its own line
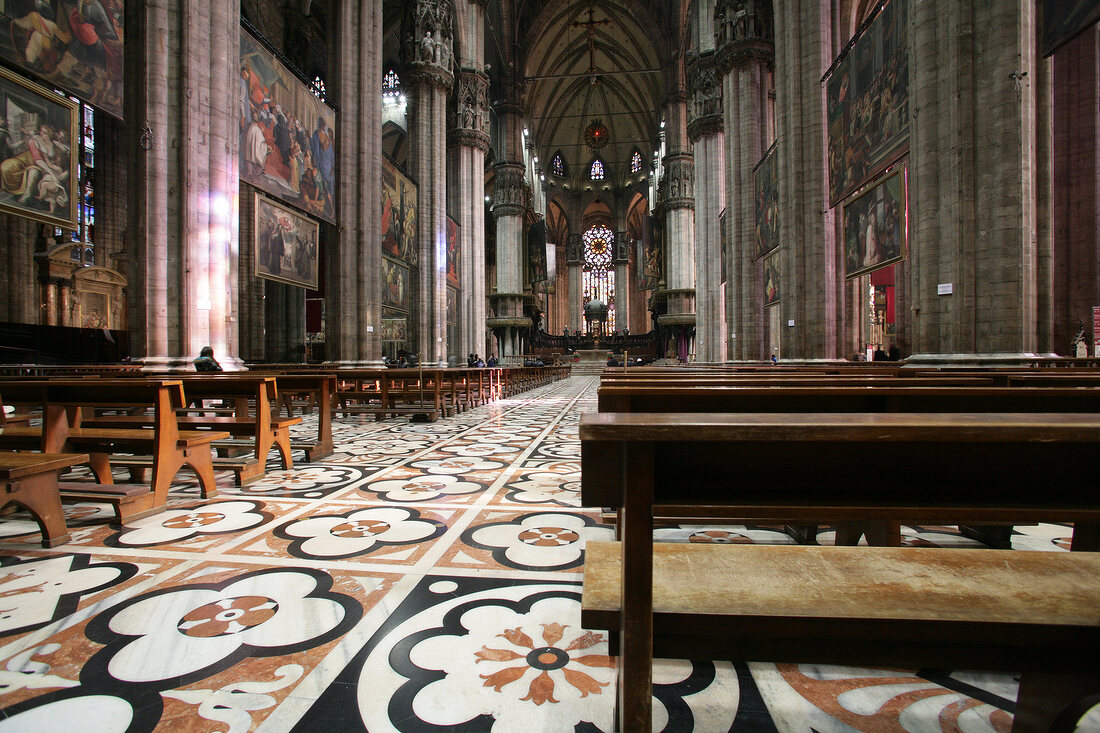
(591, 26)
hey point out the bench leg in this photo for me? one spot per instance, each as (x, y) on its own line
(202, 463)
(1053, 702)
(101, 467)
(635, 663)
(40, 496)
(1086, 537)
(282, 442)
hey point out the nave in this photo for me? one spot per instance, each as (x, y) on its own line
(425, 577)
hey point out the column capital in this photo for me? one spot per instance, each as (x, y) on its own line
(677, 190)
(744, 33)
(428, 42)
(470, 122)
(705, 110)
(510, 191)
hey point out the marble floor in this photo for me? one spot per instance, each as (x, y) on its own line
(424, 578)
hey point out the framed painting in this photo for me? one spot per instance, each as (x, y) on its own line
(767, 204)
(452, 307)
(74, 45)
(868, 104)
(285, 244)
(398, 214)
(394, 329)
(287, 135)
(771, 281)
(395, 284)
(452, 252)
(38, 152)
(875, 227)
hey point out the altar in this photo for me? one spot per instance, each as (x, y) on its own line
(591, 361)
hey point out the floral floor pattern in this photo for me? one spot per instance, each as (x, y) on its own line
(425, 578)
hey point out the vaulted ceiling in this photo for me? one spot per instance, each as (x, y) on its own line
(589, 60)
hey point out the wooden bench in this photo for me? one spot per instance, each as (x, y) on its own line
(30, 480)
(1032, 612)
(391, 392)
(319, 387)
(168, 448)
(801, 466)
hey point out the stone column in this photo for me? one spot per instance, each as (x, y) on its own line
(182, 96)
(708, 141)
(20, 304)
(744, 58)
(810, 266)
(510, 197)
(428, 32)
(573, 261)
(622, 274)
(973, 199)
(353, 255)
(468, 142)
(678, 197)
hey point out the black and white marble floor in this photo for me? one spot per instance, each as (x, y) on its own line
(423, 579)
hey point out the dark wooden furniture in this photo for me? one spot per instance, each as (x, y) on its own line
(802, 466)
(30, 480)
(64, 405)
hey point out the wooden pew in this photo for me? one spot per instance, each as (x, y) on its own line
(30, 480)
(64, 403)
(802, 466)
(390, 392)
(320, 387)
(253, 396)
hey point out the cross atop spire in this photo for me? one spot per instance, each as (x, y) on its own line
(591, 26)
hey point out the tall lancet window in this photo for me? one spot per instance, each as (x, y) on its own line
(596, 172)
(557, 166)
(636, 162)
(391, 87)
(598, 274)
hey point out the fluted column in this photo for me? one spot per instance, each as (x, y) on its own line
(745, 56)
(705, 132)
(353, 257)
(678, 197)
(573, 262)
(183, 212)
(622, 274)
(428, 34)
(468, 142)
(510, 197)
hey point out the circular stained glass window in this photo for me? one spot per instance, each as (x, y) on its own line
(596, 135)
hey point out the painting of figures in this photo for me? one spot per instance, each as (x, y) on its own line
(74, 45)
(767, 204)
(875, 227)
(285, 244)
(868, 104)
(287, 135)
(38, 152)
(395, 285)
(393, 329)
(399, 215)
(771, 281)
(452, 252)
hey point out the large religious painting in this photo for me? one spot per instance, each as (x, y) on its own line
(38, 152)
(875, 227)
(287, 135)
(1064, 19)
(649, 253)
(74, 45)
(767, 204)
(395, 284)
(394, 329)
(868, 104)
(536, 253)
(771, 281)
(452, 307)
(285, 244)
(398, 214)
(452, 252)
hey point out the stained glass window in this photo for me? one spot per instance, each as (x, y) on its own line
(596, 173)
(318, 88)
(636, 162)
(598, 274)
(391, 86)
(557, 166)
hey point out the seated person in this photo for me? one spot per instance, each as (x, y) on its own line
(206, 361)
